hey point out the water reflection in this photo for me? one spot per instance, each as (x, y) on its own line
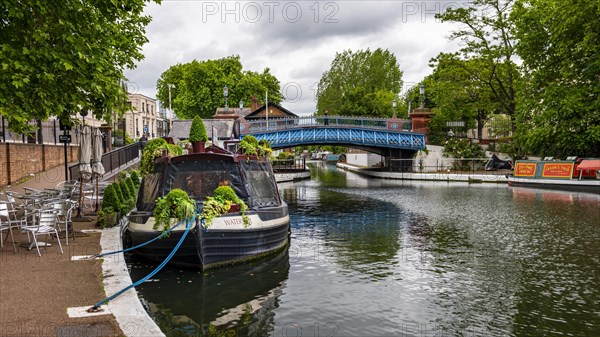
(235, 300)
(380, 258)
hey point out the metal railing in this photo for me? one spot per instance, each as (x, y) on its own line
(289, 165)
(275, 124)
(112, 160)
(447, 166)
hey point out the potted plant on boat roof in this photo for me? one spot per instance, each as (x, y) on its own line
(175, 205)
(223, 201)
(198, 135)
(249, 146)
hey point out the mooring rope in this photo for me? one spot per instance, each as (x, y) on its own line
(188, 227)
(163, 234)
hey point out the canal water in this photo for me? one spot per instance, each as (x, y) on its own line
(375, 257)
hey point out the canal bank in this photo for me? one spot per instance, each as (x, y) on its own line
(492, 177)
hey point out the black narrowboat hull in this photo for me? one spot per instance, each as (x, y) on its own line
(206, 248)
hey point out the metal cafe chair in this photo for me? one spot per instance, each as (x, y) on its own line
(7, 224)
(64, 210)
(45, 225)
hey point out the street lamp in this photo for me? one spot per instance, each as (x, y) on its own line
(226, 94)
(394, 105)
(422, 92)
(241, 107)
(170, 86)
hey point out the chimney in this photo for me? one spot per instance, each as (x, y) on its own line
(254, 105)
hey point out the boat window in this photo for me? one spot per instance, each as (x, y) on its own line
(261, 185)
(200, 178)
(149, 191)
(199, 184)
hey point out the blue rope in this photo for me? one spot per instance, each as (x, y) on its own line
(141, 244)
(187, 230)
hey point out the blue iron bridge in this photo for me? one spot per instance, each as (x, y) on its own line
(378, 135)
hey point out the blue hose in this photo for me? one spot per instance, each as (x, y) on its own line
(141, 244)
(188, 227)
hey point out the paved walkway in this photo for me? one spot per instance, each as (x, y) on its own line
(35, 292)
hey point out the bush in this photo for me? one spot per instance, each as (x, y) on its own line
(198, 131)
(285, 155)
(464, 149)
(132, 188)
(135, 178)
(147, 161)
(110, 199)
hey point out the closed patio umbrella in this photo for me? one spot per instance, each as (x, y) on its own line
(97, 167)
(85, 167)
(85, 153)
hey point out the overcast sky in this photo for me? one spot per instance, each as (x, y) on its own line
(297, 40)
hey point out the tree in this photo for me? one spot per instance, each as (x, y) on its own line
(362, 83)
(459, 93)
(59, 57)
(198, 89)
(487, 37)
(559, 43)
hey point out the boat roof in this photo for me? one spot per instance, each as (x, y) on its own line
(589, 165)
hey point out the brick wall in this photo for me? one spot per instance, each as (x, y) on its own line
(18, 161)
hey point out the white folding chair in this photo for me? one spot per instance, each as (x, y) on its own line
(46, 225)
(7, 224)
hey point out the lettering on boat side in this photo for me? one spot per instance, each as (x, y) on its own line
(525, 169)
(559, 170)
(235, 221)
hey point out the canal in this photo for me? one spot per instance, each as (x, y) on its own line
(373, 257)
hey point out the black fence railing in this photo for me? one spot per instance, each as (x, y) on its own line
(289, 165)
(112, 160)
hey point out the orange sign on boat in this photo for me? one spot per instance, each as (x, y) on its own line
(557, 170)
(525, 169)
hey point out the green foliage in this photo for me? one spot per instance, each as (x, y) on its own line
(361, 83)
(487, 40)
(175, 205)
(560, 46)
(110, 199)
(264, 148)
(121, 207)
(128, 140)
(61, 56)
(135, 178)
(147, 161)
(220, 203)
(199, 85)
(285, 155)
(513, 149)
(463, 151)
(249, 145)
(132, 187)
(123, 174)
(198, 130)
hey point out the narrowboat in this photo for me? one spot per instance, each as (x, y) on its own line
(572, 175)
(228, 239)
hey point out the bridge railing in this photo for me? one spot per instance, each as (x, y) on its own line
(275, 124)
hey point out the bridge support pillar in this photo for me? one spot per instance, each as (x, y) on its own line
(398, 160)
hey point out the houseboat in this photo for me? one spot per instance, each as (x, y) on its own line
(228, 239)
(572, 175)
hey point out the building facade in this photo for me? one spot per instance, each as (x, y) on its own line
(142, 119)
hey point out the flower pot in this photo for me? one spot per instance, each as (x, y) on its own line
(198, 147)
(111, 219)
(234, 208)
